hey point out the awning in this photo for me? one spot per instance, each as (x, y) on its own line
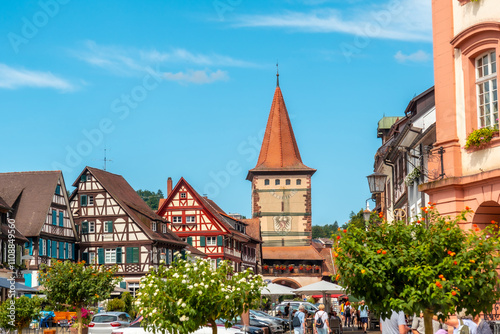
(5, 283)
(335, 295)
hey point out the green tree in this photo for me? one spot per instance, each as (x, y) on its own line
(324, 231)
(75, 284)
(17, 313)
(151, 198)
(115, 304)
(127, 300)
(429, 265)
(187, 295)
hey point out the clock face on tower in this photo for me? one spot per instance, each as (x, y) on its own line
(283, 193)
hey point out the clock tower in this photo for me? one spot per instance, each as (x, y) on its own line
(281, 183)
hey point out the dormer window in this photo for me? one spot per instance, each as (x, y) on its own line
(153, 226)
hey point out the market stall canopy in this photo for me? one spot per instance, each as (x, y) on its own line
(273, 289)
(5, 283)
(321, 287)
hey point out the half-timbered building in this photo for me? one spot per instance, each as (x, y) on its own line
(40, 209)
(117, 227)
(204, 225)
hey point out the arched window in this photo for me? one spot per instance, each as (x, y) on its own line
(287, 182)
(277, 182)
(486, 88)
(266, 182)
(298, 182)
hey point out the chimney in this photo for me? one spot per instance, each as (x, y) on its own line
(169, 186)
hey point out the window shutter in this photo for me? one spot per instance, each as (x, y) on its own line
(203, 241)
(183, 253)
(54, 217)
(118, 255)
(58, 189)
(30, 246)
(100, 255)
(85, 257)
(73, 255)
(85, 227)
(83, 200)
(168, 253)
(61, 250)
(135, 258)
(110, 226)
(190, 241)
(128, 255)
(49, 248)
(40, 247)
(61, 218)
(219, 240)
(77, 229)
(218, 261)
(123, 285)
(54, 249)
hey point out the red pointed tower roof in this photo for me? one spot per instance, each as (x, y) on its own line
(279, 151)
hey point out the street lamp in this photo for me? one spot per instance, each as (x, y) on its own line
(376, 182)
(367, 213)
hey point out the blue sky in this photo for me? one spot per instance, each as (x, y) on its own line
(184, 88)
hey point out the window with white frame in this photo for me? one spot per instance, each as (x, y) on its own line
(190, 219)
(44, 247)
(91, 200)
(92, 257)
(91, 227)
(486, 87)
(110, 255)
(213, 264)
(153, 226)
(177, 219)
(211, 241)
(164, 228)
(183, 195)
(70, 251)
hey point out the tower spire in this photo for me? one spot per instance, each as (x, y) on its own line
(277, 75)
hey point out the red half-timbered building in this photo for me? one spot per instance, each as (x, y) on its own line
(117, 227)
(205, 226)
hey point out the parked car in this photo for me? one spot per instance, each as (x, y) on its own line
(104, 323)
(254, 323)
(294, 305)
(136, 328)
(285, 323)
(274, 325)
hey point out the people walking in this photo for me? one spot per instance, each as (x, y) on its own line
(347, 315)
(321, 323)
(299, 321)
(287, 310)
(395, 324)
(363, 315)
(418, 327)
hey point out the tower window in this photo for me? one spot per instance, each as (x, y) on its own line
(266, 182)
(298, 182)
(277, 182)
(287, 182)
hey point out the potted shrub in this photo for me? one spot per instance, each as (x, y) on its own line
(480, 137)
(290, 267)
(308, 267)
(266, 267)
(301, 268)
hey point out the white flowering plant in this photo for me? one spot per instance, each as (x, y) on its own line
(186, 295)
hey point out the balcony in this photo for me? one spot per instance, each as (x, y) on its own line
(287, 270)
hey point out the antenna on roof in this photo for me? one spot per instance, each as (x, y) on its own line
(105, 159)
(277, 75)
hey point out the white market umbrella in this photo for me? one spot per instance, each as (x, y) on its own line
(321, 287)
(273, 289)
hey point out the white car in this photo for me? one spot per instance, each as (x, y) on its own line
(136, 328)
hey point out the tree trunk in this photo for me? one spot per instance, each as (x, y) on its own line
(428, 315)
(80, 321)
(214, 326)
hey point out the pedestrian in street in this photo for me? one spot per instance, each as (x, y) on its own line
(395, 324)
(347, 314)
(482, 326)
(455, 321)
(299, 322)
(287, 310)
(418, 327)
(342, 308)
(363, 315)
(321, 323)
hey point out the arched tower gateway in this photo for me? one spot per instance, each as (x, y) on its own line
(281, 183)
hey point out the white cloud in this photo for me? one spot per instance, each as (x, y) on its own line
(131, 62)
(408, 20)
(197, 77)
(14, 78)
(417, 57)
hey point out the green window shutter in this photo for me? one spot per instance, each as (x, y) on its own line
(66, 254)
(85, 227)
(77, 229)
(40, 247)
(202, 241)
(49, 248)
(183, 253)
(83, 200)
(190, 241)
(100, 255)
(110, 226)
(61, 250)
(61, 218)
(118, 255)
(73, 252)
(219, 240)
(128, 255)
(30, 246)
(83, 178)
(123, 285)
(218, 261)
(54, 249)
(54, 217)
(85, 257)
(58, 190)
(135, 258)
